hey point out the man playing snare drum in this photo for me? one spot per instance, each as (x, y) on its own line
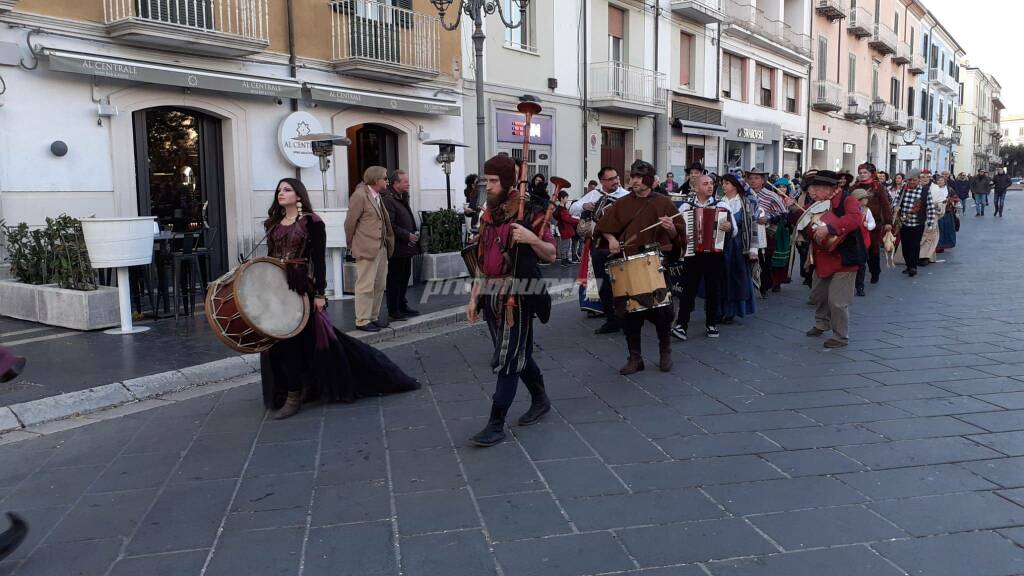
(620, 231)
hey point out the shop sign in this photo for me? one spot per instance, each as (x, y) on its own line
(512, 128)
(818, 144)
(847, 148)
(751, 133)
(296, 124)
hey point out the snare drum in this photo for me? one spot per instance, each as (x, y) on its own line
(251, 308)
(638, 282)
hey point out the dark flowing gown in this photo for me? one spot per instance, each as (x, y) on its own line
(737, 298)
(338, 368)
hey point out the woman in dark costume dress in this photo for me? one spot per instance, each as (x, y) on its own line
(321, 362)
(737, 297)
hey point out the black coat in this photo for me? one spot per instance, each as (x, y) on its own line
(1001, 182)
(402, 222)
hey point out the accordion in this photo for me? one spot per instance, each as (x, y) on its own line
(702, 230)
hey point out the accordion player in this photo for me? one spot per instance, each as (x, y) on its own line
(703, 230)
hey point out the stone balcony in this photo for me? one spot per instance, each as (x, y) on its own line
(858, 106)
(859, 22)
(701, 11)
(7, 5)
(827, 96)
(883, 39)
(832, 9)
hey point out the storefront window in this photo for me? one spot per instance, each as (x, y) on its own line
(734, 154)
(759, 156)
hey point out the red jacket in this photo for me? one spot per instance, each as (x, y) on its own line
(828, 263)
(566, 223)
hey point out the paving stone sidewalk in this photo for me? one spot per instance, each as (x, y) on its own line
(761, 454)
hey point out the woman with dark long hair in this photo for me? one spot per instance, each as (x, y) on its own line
(471, 209)
(321, 362)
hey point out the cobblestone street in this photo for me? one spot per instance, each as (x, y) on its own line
(761, 454)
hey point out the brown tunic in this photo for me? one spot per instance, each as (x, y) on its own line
(631, 214)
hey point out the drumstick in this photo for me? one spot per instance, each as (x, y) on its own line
(655, 225)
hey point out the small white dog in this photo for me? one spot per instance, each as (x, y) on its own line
(889, 242)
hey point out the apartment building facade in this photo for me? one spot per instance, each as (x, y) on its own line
(186, 110)
(766, 53)
(938, 97)
(1012, 126)
(866, 61)
(979, 121)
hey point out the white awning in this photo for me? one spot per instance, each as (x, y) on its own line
(154, 73)
(382, 101)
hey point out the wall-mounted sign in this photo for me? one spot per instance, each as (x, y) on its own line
(381, 101)
(847, 148)
(752, 133)
(818, 144)
(512, 128)
(298, 153)
(912, 152)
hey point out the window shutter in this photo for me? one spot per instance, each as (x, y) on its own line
(685, 56)
(616, 22)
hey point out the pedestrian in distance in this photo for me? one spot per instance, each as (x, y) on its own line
(1000, 184)
(981, 186)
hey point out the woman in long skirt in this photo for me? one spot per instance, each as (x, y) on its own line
(737, 298)
(938, 193)
(321, 362)
(947, 224)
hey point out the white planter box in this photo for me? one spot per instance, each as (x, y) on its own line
(445, 266)
(49, 304)
(119, 242)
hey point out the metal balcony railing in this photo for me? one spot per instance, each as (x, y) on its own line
(902, 55)
(374, 37)
(918, 124)
(827, 96)
(859, 22)
(916, 64)
(858, 106)
(832, 9)
(247, 19)
(739, 12)
(883, 39)
(888, 115)
(614, 80)
(902, 120)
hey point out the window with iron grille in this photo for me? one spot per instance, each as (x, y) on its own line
(192, 13)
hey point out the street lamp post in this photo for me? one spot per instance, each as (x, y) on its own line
(954, 139)
(477, 10)
(874, 115)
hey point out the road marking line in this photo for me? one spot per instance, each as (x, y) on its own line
(28, 331)
(41, 338)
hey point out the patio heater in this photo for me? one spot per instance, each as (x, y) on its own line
(322, 146)
(446, 156)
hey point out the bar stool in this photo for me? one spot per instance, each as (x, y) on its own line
(188, 258)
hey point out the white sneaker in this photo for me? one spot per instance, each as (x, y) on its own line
(712, 332)
(679, 332)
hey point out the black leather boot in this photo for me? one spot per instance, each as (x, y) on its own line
(494, 432)
(539, 402)
(635, 362)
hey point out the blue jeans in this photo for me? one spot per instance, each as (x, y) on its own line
(980, 201)
(1000, 202)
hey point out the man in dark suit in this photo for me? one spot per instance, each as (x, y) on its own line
(407, 245)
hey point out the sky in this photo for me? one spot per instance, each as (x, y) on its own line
(989, 32)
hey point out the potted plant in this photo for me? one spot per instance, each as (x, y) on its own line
(442, 231)
(54, 282)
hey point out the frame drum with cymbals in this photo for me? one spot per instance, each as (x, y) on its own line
(251, 308)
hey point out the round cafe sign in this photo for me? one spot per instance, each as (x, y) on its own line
(298, 153)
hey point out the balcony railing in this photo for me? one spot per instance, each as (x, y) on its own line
(832, 9)
(902, 55)
(373, 39)
(768, 27)
(229, 27)
(883, 39)
(739, 13)
(859, 22)
(619, 86)
(919, 125)
(858, 106)
(888, 116)
(901, 122)
(797, 41)
(952, 84)
(827, 96)
(916, 64)
(702, 11)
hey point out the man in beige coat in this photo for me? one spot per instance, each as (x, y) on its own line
(371, 242)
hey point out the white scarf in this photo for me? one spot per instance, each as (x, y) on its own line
(939, 195)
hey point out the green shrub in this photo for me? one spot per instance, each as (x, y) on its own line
(444, 231)
(55, 254)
